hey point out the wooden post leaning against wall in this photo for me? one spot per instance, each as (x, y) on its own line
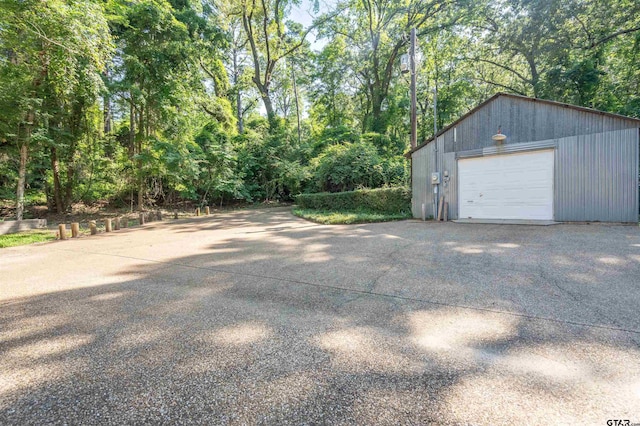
(75, 230)
(107, 225)
(440, 208)
(92, 227)
(62, 231)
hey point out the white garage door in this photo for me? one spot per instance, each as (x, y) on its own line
(512, 186)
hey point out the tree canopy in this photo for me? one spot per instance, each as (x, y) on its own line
(151, 102)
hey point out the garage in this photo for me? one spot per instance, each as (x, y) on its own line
(513, 159)
(512, 186)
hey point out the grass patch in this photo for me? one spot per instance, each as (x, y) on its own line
(28, 237)
(334, 217)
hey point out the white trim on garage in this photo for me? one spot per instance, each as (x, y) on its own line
(508, 186)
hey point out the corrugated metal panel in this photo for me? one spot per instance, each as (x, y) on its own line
(506, 149)
(596, 177)
(469, 154)
(450, 189)
(537, 125)
(525, 120)
(422, 163)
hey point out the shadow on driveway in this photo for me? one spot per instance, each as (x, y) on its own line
(260, 317)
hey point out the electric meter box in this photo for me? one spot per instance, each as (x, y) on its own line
(435, 178)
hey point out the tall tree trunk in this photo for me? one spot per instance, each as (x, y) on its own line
(140, 187)
(106, 99)
(55, 168)
(268, 104)
(376, 99)
(132, 130)
(24, 141)
(22, 175)
(378, 123)
(139, 137)
(239, 108)
(236, 81)
(295, 94)
(107, 114)
(24, 138)
(68, 196)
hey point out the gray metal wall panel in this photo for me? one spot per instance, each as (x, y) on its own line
(422, 163)
(440, 155)
(525, 120)
(450, 189)
(596, 177)
(506, 149)
(577, 167)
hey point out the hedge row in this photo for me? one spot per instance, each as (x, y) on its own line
(383, 200)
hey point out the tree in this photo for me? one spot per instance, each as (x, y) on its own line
(378, 30)
(271, 39)
(57, 51)
(445, 71)
(332, 87)
(552, 48)
(158, 76)
(517, 39)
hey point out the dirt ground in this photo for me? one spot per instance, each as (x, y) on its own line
(83, 213)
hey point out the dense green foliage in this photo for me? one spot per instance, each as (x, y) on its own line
(347, 166)
(151, 102)
(396, 200)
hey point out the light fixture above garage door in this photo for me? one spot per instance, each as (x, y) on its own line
(499, 137)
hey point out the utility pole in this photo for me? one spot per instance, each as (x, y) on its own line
(435, 111)
(414, 114)
(436, 189)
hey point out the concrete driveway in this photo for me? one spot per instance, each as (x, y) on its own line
(259, 317)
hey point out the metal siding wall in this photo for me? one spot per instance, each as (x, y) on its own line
(450, 189)
(422, 163)
(525, 120)
(441, 163)
(596, 177)
(506, 149)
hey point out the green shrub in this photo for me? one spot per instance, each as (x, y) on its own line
(348, 166)
(334, 136)
(396, 171)
(386, 145)
(383, 200)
